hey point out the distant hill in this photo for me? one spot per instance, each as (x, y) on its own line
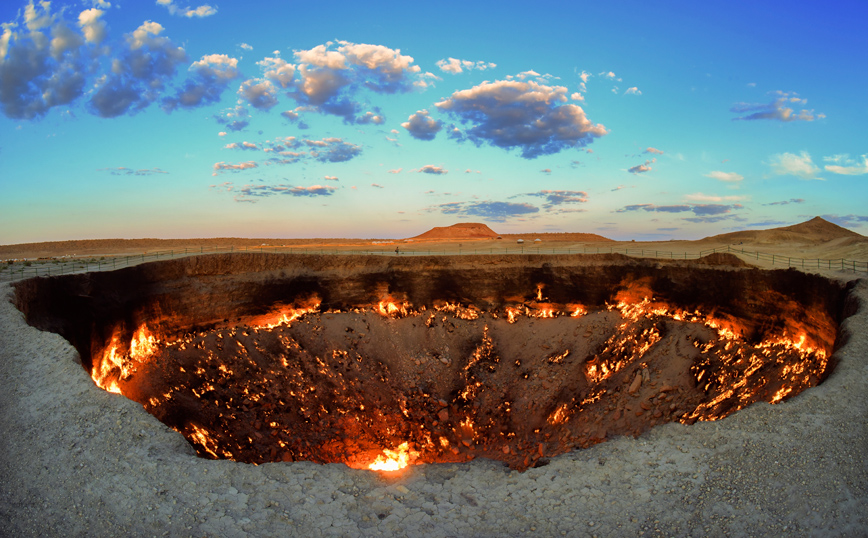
(817, 230)
(463, 230)
(559, 237)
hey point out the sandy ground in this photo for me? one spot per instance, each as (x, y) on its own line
(78, 461)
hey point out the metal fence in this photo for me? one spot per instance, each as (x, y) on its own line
(65, 266)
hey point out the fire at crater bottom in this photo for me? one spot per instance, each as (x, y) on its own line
(383, 363)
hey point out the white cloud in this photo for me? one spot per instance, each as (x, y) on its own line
(432, 169)
(789, 164)
(455, 66)
(261, 94)
(642, 168)
(421, 126)
(330, 75)
(779, 109)
(201, 11)
(526, 115)
(210, 76)
(633, 91)
(700, 197)
(729, 177)
(277, 70)
(92, 27)
(224, 166)
(846, 166)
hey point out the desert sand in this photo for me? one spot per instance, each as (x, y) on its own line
(78, 461)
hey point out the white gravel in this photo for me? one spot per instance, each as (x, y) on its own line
(77, 461)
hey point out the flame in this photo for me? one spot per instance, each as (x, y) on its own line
(468, 313)
(559, 416)
(394, 460)
(115, 364)
(284, 315)
(578, 310)
(390, 309)
(143, 344)
(203, 439)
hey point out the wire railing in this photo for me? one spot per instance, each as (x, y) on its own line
(66, 265)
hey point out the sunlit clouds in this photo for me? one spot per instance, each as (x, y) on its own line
(780, 109)
(423, 118)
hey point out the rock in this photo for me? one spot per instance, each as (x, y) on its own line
(637, 382)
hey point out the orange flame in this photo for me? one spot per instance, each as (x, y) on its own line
(284, 316)
(394, 460)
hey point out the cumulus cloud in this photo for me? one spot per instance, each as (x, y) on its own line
(455, 66)
(235, 119)
(124, 171)
(846, 166)
(370, 117)
(333, 150)
(209, 76)
(488, 210)
(331, 178)
(278, 71)
(201, 11)
(779, 109)
(243, 145)
(560, 197)
(45, 64)
(395, 171)
(525, 115)
(261, 94)
(289, 150)
(653, 150)
(728, 177)
(224, 167)
(92, 27)
(146, 63)
(421, 126)
(329, 75)
(431, 169)
(633, 91)
(642, 168)
(789, 164)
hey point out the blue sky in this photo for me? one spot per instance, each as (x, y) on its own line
(634, 120)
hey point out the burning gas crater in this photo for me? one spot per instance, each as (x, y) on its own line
(516, 376)
(389, 386)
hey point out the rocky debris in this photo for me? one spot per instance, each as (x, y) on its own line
(77, 461)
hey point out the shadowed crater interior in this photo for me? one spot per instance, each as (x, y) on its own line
(382, 362)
